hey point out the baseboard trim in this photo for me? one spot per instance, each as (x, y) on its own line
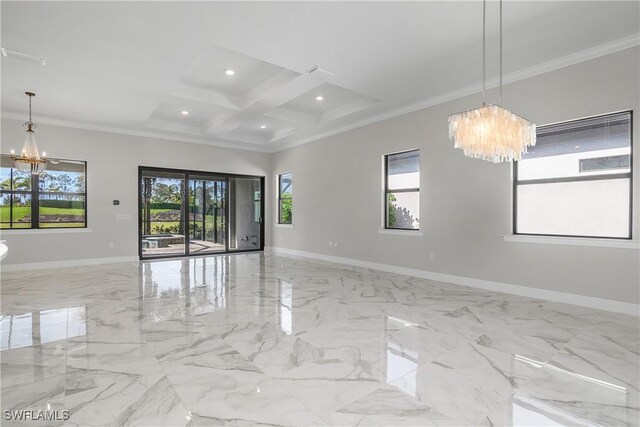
(67, 263)
(544, 294)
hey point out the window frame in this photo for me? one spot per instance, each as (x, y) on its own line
(35, 194)
(280, 176)
(608, 176)
(387, 191)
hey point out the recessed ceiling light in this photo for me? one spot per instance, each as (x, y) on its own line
(229, 72)
(319, 98)
(185, 112)
(263, 126)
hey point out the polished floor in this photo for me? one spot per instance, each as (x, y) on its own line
(257, 339)
(195, 247)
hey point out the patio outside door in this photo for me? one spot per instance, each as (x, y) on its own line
(198, 213)
(207, 215)
(162, 213)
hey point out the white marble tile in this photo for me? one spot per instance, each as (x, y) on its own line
(388, 407)
(255, 339)
(100, 397)
(326, 385)
(263, 403)
(463, 385)
(582, 384)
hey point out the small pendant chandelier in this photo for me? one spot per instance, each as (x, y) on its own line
(30, 161)
(491, 132)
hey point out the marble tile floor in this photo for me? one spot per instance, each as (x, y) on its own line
(259, 339)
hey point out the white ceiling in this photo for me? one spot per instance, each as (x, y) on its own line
(132, 67)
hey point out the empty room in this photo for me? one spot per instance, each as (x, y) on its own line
(320, 213)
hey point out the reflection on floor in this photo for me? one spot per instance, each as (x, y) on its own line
(252, 338)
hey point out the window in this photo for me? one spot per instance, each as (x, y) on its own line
(54, 199)
(576, 180)
(285, 198)
(402, 190)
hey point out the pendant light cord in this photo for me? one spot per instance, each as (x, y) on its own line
(484, 52)
(501, 53)
(30, 108)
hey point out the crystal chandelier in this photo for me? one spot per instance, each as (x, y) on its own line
(491, 132)
(30, 161)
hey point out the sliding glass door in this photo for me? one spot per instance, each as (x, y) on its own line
(207, 215)
(162, 213)
(199, 213)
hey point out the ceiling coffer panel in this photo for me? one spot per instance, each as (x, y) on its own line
(251, 77)
(169, 115)
(327, 102)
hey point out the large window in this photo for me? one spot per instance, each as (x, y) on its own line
(402, 190)
(285, 198)
(55, 199)
(576, 181)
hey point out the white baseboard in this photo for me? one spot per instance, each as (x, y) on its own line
(544, 294)
(67, 263)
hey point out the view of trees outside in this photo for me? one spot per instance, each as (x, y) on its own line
(20, 217)
(285, 187)
(60, 194)
(399, 215)
(61, 200)
(162, 205)
(162, 210)
(286, 205)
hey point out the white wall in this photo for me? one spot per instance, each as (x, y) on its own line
(112, 173)
(465, 203)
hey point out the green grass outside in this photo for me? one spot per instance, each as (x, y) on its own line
(175, 224)
(20, 212)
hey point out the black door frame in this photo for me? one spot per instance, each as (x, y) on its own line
(185, 207)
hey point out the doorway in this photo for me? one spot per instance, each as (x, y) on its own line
(188, 213)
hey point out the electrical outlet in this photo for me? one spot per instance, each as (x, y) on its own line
(111, 245)
(281, 238)
(432, 255)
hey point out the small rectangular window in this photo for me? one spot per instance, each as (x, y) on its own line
(402, 190)
(576, 180)
(54, 199)
(285, 198)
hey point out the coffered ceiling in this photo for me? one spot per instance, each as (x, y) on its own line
(269, 75)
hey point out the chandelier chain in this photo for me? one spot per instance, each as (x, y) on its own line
(484, 52)
(500, 53)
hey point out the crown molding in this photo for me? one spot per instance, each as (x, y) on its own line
(545, 67)
(145, 134)
(535, 70)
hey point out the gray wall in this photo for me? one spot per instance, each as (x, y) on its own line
(465, 203)
(112, 173)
